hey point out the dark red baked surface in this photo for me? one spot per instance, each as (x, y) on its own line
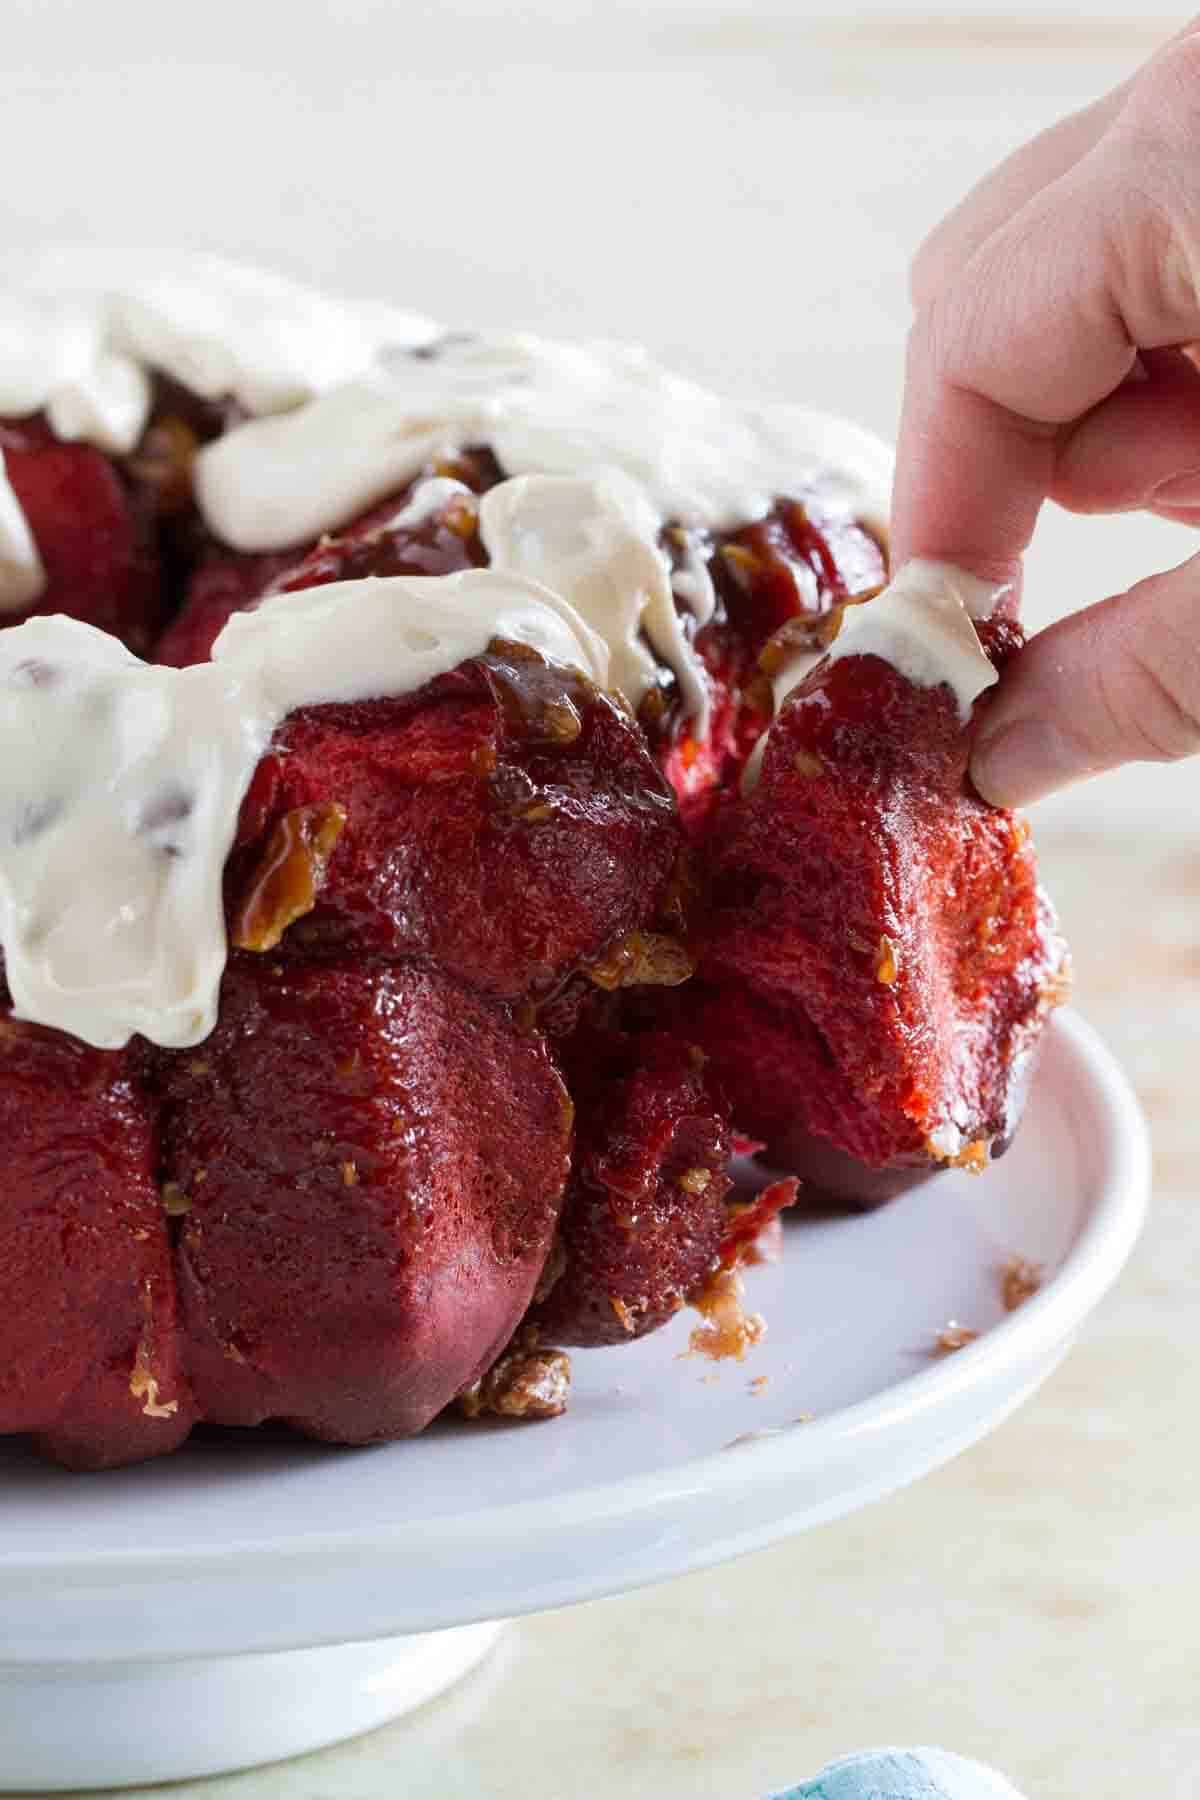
(508, 968)
(95, 541)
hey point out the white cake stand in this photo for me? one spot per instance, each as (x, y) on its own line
(246, 1601)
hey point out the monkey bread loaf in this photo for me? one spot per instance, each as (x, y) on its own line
(453, 789)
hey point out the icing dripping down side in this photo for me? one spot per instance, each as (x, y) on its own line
(113, 839)
(595, 542)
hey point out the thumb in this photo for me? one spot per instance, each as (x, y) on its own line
(1118, 682)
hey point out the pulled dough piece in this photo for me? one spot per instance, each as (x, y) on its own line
(876, 931)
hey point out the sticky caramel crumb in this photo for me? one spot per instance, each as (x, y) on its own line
(726, 1328)
(887, 966)
(760, 1384)
(459, 517)
(175, 1202)
(143, 1385)
(799, 636)
(1019, 1281)
(561, 721)
(973, 1157)
(625, 1314)
(524, 1384)
(643, 959)
(1056, 990)
(289, 876)
(694, 1181)
(952, 1337)
(163, 462)
(653, 709)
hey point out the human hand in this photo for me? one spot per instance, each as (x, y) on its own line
(1048, 359)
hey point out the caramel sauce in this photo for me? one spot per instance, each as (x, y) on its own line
(289, 876)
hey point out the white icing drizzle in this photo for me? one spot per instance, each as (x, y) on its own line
(343, 416)
(81, 328)
(22, 577)
(545, 408)
(595, 540)
(113, 837)
(662, 449)
(693, 583)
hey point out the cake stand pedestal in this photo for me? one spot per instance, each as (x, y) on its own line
(131, 1723)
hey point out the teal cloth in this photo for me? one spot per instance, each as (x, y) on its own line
(903, 1775)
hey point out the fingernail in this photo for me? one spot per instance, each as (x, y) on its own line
(1181, 490)
(1019, 762)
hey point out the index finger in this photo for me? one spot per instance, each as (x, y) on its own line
(1042, 323)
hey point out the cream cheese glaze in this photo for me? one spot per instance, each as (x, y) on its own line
(81, 330)
(923, 623)
(605, 445)
(113, 838)
(602, 447)
(544, 408)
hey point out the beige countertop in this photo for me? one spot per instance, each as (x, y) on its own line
(742, 189)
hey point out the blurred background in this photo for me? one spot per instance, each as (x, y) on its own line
(741, 186)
